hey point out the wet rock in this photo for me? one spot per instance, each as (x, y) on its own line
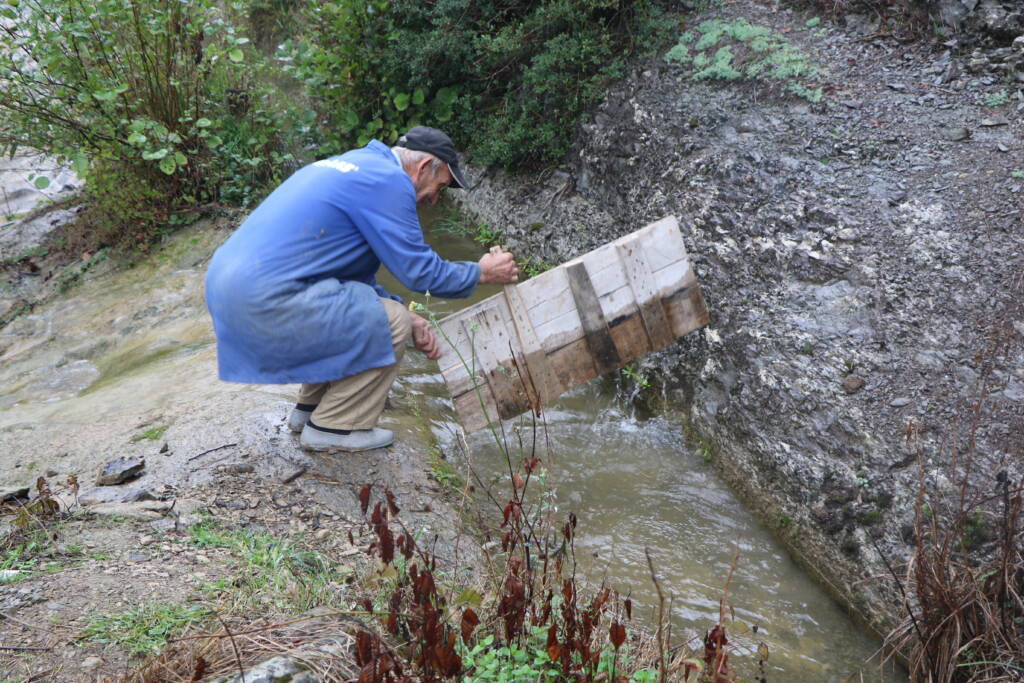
(276, 670)
(120, 470)
(853, 384)
(10, 493)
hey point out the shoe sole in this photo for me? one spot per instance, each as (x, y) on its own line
(329, 448)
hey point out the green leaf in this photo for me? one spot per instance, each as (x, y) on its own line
(213, 142)
(42, 182)
(180, 158)
(418, 97)
(204, 123)
(168, 165)
(349, 121)
(469, 597)
(80, 164)
(447, 96)
(402, 101)
(153, 156)
(136, 139)
(236, 55)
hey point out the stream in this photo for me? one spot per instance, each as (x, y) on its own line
(634, 484)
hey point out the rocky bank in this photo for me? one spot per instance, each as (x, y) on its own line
(859, 256)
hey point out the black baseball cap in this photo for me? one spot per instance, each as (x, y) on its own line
(433, 141)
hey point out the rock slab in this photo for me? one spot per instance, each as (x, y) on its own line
(276, 670)
(120, 470)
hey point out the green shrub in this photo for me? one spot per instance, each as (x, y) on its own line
(139, 98)
(507, 79)
(731, 50)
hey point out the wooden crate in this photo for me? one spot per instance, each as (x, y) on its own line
(521, 349)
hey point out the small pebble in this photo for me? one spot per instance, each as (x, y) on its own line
(899, 402)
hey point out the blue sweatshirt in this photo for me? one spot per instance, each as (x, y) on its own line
(292, 292)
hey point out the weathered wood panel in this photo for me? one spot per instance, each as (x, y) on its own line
(593, 314)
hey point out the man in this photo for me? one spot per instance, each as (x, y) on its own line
(293, 296)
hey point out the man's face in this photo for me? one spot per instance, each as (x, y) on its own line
(428, 184)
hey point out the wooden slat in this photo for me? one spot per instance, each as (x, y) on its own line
(490, 344)
(595, 329)
(641, 281)
(541, 377)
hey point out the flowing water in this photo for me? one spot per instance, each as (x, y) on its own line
(634, 485)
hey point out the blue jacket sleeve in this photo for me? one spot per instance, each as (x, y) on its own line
(387, 220)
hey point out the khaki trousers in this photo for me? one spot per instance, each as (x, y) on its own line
(356, 402)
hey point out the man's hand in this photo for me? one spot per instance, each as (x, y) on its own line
(498, 269)
(423, 337)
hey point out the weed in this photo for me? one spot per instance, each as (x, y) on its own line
(701, 444)
(443, 472)
(272, 572)
(631, 373)
(995, 99)
(144, 629)
(1017, 174)
(151, 434)
(721, 50)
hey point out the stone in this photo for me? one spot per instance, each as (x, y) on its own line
(231, 504)
(899, 402)
(145, 510)
(51, 473)
(994, 121)
(955, 134)
(91, 662)
(111, 494)
(138, 557)
(189, 511)
(163, 525)
(120, 470)
(146, 540)
(291, 475)
(238, 468)
(853, 384)
(11, 493)
(276, 670)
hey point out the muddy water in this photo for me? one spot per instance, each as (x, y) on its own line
(634, 484)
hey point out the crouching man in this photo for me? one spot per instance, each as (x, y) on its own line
(293, 296)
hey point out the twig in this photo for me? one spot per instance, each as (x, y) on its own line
(227, 445)
(234, 646)
(22, 623)
(23, 648)
(662, 673)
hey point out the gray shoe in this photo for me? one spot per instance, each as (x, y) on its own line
(299, 416)
(316, 439)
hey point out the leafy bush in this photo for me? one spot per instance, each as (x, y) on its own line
(507, 79)
(140, 98)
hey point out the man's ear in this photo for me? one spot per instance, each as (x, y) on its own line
(420, 168)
